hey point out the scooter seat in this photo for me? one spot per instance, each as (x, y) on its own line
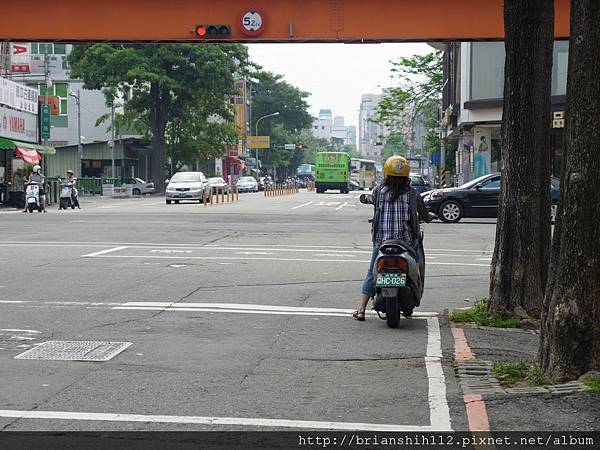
(404, 245)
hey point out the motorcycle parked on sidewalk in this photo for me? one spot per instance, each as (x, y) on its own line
(32, 198)
(68, 195)
(399, 279)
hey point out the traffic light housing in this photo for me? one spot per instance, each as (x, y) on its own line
(212, 31)
(301, 146)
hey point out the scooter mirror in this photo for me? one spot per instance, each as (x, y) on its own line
(363, 198)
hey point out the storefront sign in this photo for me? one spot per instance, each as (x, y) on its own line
(18, 125)
(18, 96)
(20, 58)
(258, 141)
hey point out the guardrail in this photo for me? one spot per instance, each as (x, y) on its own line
(276, 190)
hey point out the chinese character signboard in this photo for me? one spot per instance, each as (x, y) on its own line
(17, 125)
(18, 96)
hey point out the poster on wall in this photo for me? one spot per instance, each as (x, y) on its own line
(482, 160)
(466, 145)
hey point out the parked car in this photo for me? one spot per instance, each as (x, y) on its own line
(419, 183)
(139, 186)
(247, 184)
(187, 186)
(477, 198)
(218, 184)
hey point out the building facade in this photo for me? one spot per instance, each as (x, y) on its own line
(472, 104)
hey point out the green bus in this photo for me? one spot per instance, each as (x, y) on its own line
(332, 171)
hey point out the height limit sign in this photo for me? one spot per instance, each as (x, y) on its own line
(252, 23)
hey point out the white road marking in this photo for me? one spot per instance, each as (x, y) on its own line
(334, 254)
(256, 307)
(169, 251)
(235, 258)
(484, 259)
(103, 252)
(303, 205)
(257, 253)
(438, 403)
(177, 266)
(341, 206)
(16, 330)
(209, 420)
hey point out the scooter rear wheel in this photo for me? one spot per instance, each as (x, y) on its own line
(392, 312)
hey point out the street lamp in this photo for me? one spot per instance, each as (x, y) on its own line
(256, 134)
(77, 98)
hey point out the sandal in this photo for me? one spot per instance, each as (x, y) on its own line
(359, 316)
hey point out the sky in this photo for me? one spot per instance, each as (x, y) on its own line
(336, 75)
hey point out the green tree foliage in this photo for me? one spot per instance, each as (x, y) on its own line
(175, 88)
(394, 144)
(272, 94)
(420, 80)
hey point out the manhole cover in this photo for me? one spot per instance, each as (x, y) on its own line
(75, 351)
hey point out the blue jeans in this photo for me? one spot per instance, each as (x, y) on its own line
(368, 286)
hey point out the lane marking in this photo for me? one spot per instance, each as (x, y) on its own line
(200, 245)
(341, 206)
(208, 420)
(103, 252)
(303, 205)
(252, 307)
(438, 403)
(16, 330)
(247, 258)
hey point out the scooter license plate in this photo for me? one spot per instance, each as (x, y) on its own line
(390, 280)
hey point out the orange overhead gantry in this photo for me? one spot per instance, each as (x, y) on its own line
(260, 20)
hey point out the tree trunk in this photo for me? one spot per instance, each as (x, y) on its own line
(520, 263)
(157, 127)
(570, 339)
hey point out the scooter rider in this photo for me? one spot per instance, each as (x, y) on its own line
(71, 178)
(37, 178)
(398, 209)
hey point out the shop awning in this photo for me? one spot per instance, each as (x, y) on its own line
(235, 160)
(9, 144)
(28, 155)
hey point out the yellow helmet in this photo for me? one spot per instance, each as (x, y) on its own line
(396, 166)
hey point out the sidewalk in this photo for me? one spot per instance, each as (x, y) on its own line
(566, 407)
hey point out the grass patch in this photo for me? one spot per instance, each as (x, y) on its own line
(593, 384)
(479, 315)
(509, 373)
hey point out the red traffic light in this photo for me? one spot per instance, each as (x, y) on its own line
(200, 30)
(213, 31)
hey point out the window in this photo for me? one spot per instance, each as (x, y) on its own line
(494, 183)
(487, 70)
(40, 48)
(559, 67)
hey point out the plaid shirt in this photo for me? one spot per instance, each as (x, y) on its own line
(394, 218)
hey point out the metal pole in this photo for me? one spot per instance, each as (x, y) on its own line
(442, 170)
(112, 136)
(79, 146)
(47, 96)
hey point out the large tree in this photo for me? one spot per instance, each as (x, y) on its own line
(161, 77)
(270, 94)
(417, 97)
(520, 263)
(570, 338)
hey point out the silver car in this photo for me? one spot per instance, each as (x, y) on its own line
(139, 186)
(247, 184)
(187, 186)
(218, 184)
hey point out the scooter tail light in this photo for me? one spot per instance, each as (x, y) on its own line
(393, 263)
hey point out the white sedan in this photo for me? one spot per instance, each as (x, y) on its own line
(139, 186)
(247, 184)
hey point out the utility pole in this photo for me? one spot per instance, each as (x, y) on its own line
(77, 98)
(46, 98)
(112, 136)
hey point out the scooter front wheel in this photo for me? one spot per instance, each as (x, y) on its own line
(392, 312)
